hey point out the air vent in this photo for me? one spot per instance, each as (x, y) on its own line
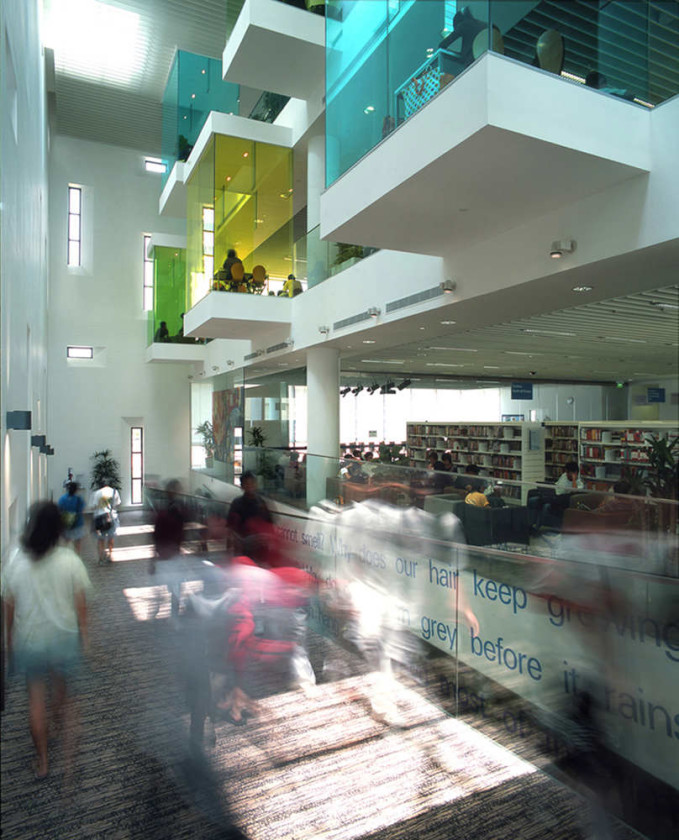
(282, 346)
(251, 356)
(355, 319)
(411, 300)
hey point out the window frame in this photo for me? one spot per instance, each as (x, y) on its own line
(73, 189)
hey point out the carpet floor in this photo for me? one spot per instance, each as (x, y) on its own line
(321, 765)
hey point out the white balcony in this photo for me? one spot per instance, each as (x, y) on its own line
(239, 316)
(176, 353)
(276, 47)
(173, 197)
(501, 145)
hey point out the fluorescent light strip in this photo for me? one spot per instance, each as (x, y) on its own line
(548, 332)
(454, 349)
(383, 361)
(442, 364)
(623, 340)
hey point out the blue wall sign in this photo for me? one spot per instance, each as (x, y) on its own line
(655, 395)
(522, 390)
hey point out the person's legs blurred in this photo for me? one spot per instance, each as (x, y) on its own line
(37, 719)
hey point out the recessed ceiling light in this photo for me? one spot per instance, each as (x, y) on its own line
(368, 341)
(423, 328)
(448, 323)
(582, 288)
(246, 154)
(368, 109)
(491, 367)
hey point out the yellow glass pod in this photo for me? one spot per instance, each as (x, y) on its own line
(240, 197)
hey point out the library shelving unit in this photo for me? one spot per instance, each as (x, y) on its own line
(506, 452)
(609, 450)
(561, 446)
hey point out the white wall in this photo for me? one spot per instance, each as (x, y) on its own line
(93, 404)
(23, 268)
(641, 409)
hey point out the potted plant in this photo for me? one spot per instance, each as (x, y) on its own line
(105, 469)
(207, 432)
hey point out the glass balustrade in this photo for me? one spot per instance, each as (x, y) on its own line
(385, 60)
(194, 88)
(316, 259)
(510, 661)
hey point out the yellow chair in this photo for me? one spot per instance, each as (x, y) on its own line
(237, 274)
(258, 279)
(549, 51)
(480, 44)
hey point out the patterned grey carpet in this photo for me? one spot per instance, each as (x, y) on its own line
(319, 767)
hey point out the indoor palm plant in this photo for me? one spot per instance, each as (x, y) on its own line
(105, 470)
(207, 432)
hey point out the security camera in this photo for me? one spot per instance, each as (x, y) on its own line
(533, 372)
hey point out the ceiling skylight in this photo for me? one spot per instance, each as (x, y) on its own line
(95, 41)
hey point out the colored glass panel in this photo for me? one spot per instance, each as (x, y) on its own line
(249, 187)
(385, 59)
(169, 296)
(194, 88)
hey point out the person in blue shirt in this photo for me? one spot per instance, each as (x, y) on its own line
(71, 507)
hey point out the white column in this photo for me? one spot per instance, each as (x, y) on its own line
(315, 179)
(323, 420)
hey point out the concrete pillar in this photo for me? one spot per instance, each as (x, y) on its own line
(323, 420)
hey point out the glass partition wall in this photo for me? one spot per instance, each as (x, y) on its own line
(165, 323)
(194, 88)
(385, 60)
(239, 197)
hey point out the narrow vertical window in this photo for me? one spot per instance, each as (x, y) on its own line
(208, 244)
(137, 463)
(148, 276)
(74, 226)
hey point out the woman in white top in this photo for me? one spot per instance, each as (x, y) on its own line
(43, 588)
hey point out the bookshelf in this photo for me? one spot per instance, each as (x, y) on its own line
(561, 446)
(610, 451)
(505, 452)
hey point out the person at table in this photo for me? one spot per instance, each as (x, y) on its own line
(443, 469)
(569, 481)
(231, 260)
(466, 27)
(433, 460)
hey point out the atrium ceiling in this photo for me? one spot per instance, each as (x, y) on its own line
(112, 59)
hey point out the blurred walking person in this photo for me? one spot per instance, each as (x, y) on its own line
(71, 506)
(44, 591)
(168, 535)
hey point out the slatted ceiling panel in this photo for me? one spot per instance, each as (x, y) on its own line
(507, 350)
(129, 114)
